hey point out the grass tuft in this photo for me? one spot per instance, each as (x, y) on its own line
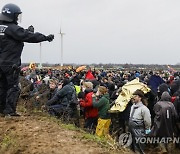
(7, 141)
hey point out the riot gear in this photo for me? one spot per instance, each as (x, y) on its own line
(10, 13)
(12, 38)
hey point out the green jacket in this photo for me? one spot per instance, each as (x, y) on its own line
(103, 106)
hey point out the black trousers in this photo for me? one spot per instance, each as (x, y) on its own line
(91, 123)
(9, 89)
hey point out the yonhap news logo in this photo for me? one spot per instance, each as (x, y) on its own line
(155, 140)
(125, 139)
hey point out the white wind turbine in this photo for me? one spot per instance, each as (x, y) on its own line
(40, 56)
(61, 34)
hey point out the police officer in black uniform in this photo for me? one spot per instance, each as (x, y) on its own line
(12, 38)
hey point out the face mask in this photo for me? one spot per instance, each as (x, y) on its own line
(19, 18)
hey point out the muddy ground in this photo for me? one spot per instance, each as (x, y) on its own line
(36, 134)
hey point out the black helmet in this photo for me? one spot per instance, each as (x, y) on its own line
(10, 13)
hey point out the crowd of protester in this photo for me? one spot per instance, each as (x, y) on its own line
(89, 95)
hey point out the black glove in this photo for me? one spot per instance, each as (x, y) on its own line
(31, 29)
(50, 37)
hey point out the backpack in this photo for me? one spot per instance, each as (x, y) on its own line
(73, 101)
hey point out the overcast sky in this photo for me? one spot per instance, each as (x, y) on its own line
(104, 31)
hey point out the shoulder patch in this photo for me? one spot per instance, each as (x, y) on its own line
(2, 29)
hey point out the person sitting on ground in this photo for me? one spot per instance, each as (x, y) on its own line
(64, 103)
(50, 93)
(61, 99)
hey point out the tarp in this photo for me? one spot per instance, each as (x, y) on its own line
(126, 94)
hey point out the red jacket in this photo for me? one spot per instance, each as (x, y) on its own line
(90, 111)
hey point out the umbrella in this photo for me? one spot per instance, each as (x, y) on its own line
(80, 68)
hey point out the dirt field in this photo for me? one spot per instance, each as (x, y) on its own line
(39, 135)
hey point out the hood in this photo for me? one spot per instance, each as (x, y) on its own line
(165, 96)
(88, 90)
(65, 82)
(174, 86)
(111, 86)
(163, 87)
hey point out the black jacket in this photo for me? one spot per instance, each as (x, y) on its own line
(165, 118)
(12, 38)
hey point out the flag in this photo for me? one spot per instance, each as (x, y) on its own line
(170, 69)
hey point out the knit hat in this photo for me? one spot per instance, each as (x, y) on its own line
(139, 92)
